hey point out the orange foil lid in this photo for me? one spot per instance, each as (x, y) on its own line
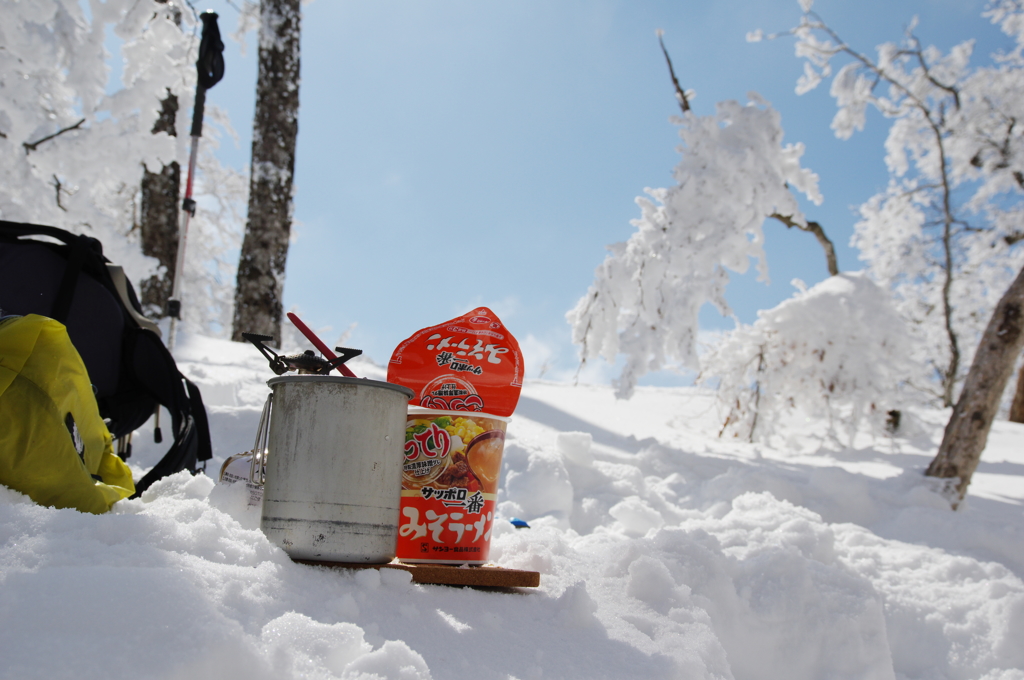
(471, 363)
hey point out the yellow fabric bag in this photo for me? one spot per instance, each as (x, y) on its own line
(54, 446)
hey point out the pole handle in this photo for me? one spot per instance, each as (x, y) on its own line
(197, 112)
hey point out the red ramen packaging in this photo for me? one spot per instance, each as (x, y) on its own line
(449, 486)
(466, 375)
(471, 363)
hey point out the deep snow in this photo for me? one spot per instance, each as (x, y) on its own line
(665, 552)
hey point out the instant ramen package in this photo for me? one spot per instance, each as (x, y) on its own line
(471, 363)
(466, 375)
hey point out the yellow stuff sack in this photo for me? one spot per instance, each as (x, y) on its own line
(54, 446)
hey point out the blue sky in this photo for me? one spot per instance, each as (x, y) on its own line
(462, 153)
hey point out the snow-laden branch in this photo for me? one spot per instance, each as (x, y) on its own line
(837, 352)
(953, 135)
(681, 96)
(734, 174)
(32, 146)
(819, 233)
(73, 145)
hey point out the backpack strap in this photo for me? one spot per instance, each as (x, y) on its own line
(181, 456)
(25, 229)
(158, 374)
(80, 248)
(128, 299)
(191, 444)
(195, 399)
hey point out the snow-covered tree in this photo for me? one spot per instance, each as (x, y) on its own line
(74, 145)
(70, 152)
(942, 235)
(836, 352)
(735, 173)
(942, 238)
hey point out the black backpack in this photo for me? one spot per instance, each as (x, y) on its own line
(130, 368)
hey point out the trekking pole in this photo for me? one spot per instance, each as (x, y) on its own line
(210, 68)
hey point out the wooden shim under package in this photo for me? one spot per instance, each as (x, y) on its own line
(444, 574)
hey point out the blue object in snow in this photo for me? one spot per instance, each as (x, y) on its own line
(519, 524)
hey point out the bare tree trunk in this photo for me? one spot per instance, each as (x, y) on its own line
(967, 431)
(949, 376)
(275, 129)
(159, 217)
(1017, 407)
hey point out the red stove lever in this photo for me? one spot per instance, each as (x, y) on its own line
(319, 344)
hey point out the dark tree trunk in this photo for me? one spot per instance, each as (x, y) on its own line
(967, 431)
(1017, 407)
(158, 214)
(159, 217)
(261, 268)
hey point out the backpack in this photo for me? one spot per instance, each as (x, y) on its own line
(129, 366)
(54, 446)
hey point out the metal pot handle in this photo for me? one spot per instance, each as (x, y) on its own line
(258, 464)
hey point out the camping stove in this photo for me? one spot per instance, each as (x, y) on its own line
(306, 363)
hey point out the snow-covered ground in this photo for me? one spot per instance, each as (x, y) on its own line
(665, 552)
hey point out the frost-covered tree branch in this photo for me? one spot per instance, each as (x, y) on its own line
(74, 144)
(78, 148)
(953, 125)
(811, 227)
(942, 236)
(837, 352)
(32, 146)
(734, 174)
(681, 97)
(819, 233)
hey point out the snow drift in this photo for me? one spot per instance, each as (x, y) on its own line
(665, 552)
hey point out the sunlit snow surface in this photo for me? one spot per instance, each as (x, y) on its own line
(665, 552)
